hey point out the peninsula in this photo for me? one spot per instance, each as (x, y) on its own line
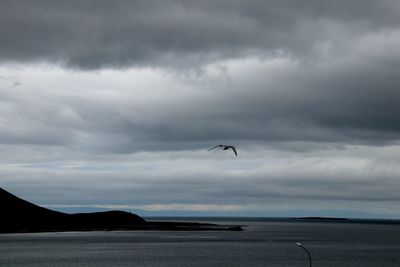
(18, 215)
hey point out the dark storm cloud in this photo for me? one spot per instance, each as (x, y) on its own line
(96, 34)
(351, 102)
(338, 84)
(117, 102)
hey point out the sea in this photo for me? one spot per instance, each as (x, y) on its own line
(264, 242)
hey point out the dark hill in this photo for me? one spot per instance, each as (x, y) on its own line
(18, 215)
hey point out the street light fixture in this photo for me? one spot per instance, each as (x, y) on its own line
(306, 250)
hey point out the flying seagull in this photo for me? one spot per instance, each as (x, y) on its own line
(225, 147)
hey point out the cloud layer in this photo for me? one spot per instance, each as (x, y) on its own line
(96, 34)
(115, 104)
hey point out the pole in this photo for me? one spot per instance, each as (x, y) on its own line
(306, 250)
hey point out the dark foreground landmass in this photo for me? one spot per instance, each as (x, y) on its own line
(18, 215)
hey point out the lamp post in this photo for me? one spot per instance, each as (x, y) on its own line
(306, 250)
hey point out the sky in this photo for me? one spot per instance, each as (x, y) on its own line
(114, 104)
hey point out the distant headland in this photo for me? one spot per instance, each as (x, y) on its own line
(18, 215)
(321, 219)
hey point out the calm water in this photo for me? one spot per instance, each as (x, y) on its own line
(263, 243)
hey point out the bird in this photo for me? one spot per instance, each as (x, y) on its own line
(225, 147)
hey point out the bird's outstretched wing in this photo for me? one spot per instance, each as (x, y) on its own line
(234, 149)
(216, 147)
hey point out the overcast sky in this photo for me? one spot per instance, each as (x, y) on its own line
(113, 104)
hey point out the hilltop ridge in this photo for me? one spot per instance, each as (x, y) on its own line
(18, 215)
